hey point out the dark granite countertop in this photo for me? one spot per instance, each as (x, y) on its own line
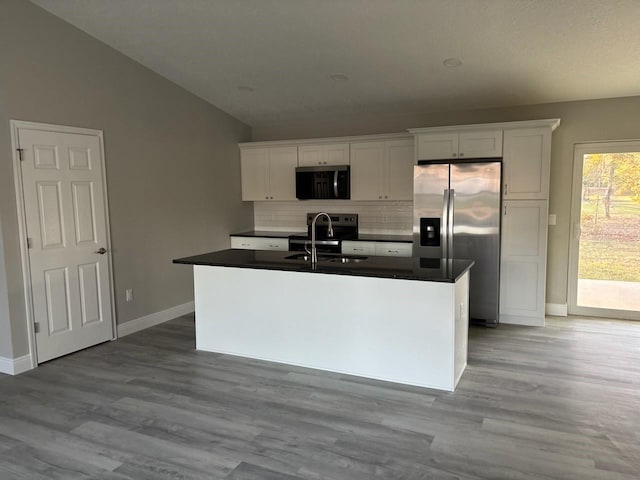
(422, 269)
(267, 234)
(377, 237)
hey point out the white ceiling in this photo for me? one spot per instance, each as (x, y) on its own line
(514, 52)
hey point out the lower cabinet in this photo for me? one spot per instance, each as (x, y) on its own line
(260, 243)
(523, 262)
(382, 249)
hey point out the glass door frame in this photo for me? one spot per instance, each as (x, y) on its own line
(581, 149)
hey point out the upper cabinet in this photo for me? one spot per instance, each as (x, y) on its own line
(382, 170)
(324, 154)
(527, 154)
(268, 173)
(453, 145)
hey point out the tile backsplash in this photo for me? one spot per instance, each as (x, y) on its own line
(373, 217)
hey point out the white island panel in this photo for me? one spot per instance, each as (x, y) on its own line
(411, 332)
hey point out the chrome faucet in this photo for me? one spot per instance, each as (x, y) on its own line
(314, 250)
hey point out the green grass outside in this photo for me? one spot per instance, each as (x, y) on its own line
(610, 250)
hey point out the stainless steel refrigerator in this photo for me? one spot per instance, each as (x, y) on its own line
(456, 215)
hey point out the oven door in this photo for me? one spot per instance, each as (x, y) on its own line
(301, 244)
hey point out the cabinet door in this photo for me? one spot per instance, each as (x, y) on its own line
(336, 154)
(527, 154)
(393, 249)
(310, 155)
(254, 164)
(523, 262)
(398, 170)
(481, 144)
(367, 161)
(437, 146)
(282, 173)
(325, 154)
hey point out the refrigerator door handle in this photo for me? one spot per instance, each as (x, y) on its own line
(445, 224)
(450, 213)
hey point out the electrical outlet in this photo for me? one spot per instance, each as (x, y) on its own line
(129, 294)
(552, 219)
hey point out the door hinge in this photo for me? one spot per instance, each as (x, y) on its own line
(29, 242)
(36, 327)
(20, 154)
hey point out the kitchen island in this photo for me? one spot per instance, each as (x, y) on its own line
(402, 320)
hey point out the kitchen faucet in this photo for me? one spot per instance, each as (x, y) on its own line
(314, 250)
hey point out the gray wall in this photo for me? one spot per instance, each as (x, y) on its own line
(597, 120)
(173, 174)
(5, 339)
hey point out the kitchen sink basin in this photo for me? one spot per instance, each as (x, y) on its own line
(347, 259)
(305, 257)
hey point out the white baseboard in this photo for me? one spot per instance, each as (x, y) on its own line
(556, 309)
(153, 319)
(522, 320)
(15, 366)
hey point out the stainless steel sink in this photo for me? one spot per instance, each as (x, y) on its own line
(305, 257)
(347, 259)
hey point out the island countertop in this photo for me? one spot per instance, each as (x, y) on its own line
(420, 269)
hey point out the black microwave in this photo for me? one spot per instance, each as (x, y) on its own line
(322, 183)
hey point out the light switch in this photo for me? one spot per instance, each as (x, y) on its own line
(552, 219)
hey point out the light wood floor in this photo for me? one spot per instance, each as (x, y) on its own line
(561, 402)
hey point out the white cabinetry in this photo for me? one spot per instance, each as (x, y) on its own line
(268, 173)
(454, 144)
(523, 262)
(527, 153)
(382, 249)
(358, 248)
(382, 170)
(325, 154)
(260, 243)
(394, 249)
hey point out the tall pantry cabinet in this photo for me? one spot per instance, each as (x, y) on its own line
(525, 206)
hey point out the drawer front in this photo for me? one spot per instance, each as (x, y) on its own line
(390, 249)
(274, 244)
(244, 242)
(260, 243)
(359, 248)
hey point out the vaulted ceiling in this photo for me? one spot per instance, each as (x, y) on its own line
(263, 61)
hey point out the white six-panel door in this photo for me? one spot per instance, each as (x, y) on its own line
(66, 222)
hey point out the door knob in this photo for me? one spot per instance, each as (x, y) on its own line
(101, 251)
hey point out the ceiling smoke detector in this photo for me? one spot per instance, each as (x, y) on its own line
(339, 77)
(452, 62)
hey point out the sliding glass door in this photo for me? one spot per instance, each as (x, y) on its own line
(604, 276)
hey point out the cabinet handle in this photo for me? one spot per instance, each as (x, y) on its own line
(267, 198)
(392, 251)
(506, 188)
(386, 196)
(245, 244)
(505, 209)
(380, 196)
(454, 154)
(461, 154)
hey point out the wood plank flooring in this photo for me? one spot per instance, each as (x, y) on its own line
(561, 402)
